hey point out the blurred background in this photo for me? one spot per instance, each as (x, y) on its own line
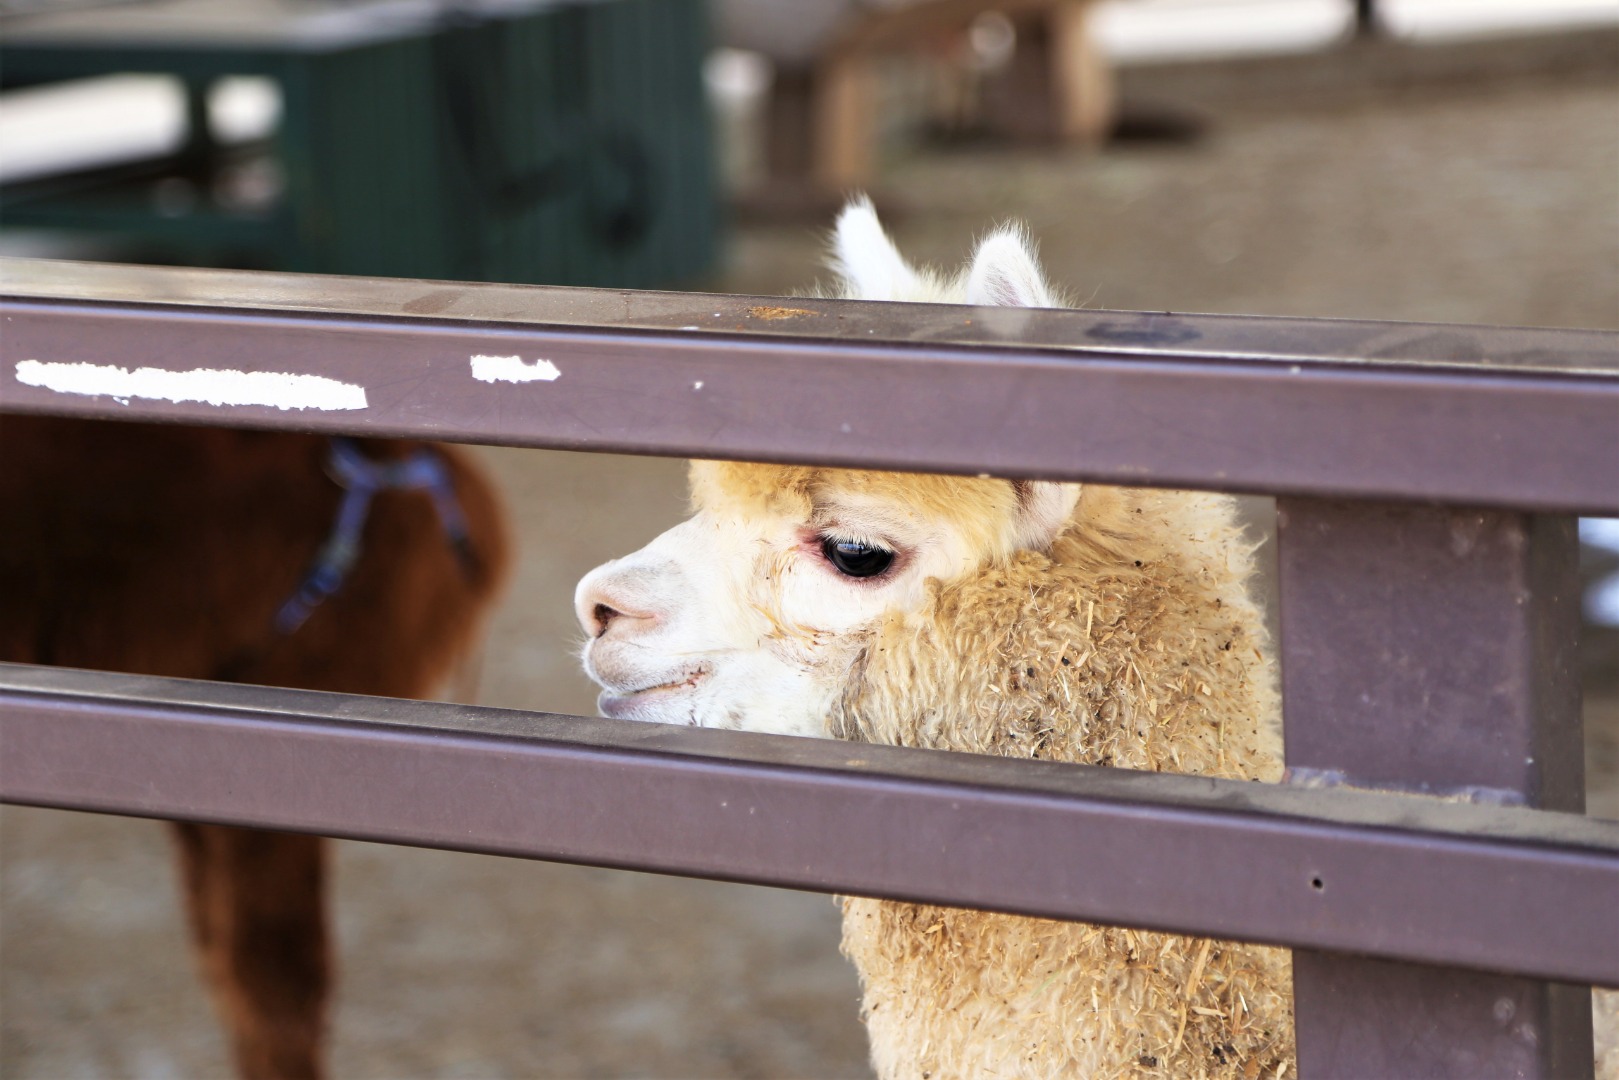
(1449, 160)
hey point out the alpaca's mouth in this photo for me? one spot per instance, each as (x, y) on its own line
(644, 704)
(691, 678)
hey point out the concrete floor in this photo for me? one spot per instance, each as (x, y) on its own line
(1493, 202)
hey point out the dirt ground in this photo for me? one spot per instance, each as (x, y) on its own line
(1494, 200)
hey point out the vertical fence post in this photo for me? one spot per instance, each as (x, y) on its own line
(1432, 649)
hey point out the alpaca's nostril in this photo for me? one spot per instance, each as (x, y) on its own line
(604, 616)
(617, 601)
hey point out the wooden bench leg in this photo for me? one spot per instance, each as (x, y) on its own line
(1083, 94)
(845, 131)
(789, 124)
(1058, 85)
(819, 135)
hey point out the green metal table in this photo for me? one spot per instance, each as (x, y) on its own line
(516, 140)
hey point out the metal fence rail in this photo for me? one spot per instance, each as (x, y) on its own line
(1426, 479)
(1332, 869)
(1463, 415)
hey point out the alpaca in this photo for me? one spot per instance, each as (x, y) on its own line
(1032, 619)
(179, 551)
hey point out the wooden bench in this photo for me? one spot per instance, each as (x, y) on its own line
(823, 105)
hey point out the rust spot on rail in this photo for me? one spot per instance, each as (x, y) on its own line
(762, 311)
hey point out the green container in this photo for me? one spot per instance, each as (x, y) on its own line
(561, 143)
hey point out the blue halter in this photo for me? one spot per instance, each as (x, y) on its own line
(361, 479)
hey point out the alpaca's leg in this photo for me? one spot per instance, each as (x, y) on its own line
(257, 918)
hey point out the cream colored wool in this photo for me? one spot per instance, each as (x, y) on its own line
(1133, 643)
(1122, 636)
(1605, 1022)
(1076, 655)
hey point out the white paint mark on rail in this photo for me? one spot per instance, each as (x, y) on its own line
(512, 369)
(211, 385)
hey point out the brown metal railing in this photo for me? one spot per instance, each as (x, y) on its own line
(1426, 479)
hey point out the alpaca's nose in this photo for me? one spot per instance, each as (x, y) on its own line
(601, 617)
(609, 596)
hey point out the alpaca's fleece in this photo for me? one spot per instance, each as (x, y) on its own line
(1079, 654)
(1605, 1021)
(1118, 632)
(960, 994)
(1021, 618)
(1131, 642)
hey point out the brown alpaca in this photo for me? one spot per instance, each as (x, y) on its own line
(170, 551)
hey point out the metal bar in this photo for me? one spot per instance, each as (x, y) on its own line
(1452, 414)
(1465, 651)
(1433, 650)
(1408, 632)
(1327, 869)
(1279, 341)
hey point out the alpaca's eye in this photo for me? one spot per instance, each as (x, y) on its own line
(856, 559)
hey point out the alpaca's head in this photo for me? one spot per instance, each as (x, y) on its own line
(751, 613)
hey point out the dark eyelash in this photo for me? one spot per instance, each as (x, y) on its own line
(856, 558)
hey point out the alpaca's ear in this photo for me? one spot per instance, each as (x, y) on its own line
(1004, 273)
(1044, 508)
(863, 255)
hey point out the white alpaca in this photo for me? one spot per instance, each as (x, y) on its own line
(1058, 621)
(1030, 619)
